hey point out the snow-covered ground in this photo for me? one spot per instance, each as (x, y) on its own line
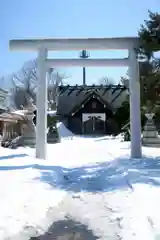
(94, 181)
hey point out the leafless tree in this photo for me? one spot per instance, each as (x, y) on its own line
(24, 85)
(106, 81)
(124, 81)
(55, 79)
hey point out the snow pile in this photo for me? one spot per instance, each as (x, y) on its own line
(52, 113)
(64, 134)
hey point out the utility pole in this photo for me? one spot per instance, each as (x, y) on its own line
(84, 55)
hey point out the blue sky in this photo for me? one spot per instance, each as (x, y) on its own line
(70, 18)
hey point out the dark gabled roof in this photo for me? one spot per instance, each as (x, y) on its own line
(71, 97)
(92, 95)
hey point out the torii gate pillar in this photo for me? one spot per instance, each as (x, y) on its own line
(135, 113)
(41, 103)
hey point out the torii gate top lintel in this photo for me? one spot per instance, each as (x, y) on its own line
(66, 44)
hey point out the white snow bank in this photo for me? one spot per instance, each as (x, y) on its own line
(20, 112)
(64, 133)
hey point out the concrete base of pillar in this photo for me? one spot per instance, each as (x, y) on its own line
(150, 135)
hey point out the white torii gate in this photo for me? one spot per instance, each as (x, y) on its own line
(42, 46)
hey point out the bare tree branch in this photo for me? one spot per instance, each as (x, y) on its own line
(25, 85)
(106, 81)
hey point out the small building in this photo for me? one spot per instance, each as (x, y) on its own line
(11, 125)
(90, 109)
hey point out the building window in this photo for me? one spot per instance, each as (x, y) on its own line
(94, 105)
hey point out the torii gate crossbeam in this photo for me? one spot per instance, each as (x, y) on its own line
(42, 46)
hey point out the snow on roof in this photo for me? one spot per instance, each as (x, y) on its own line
(11, 117)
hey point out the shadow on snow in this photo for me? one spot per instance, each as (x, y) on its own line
(120, 173)
(11, 156)
(108, 176)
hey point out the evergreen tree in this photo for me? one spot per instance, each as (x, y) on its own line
(149, 67)
(149, 36)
